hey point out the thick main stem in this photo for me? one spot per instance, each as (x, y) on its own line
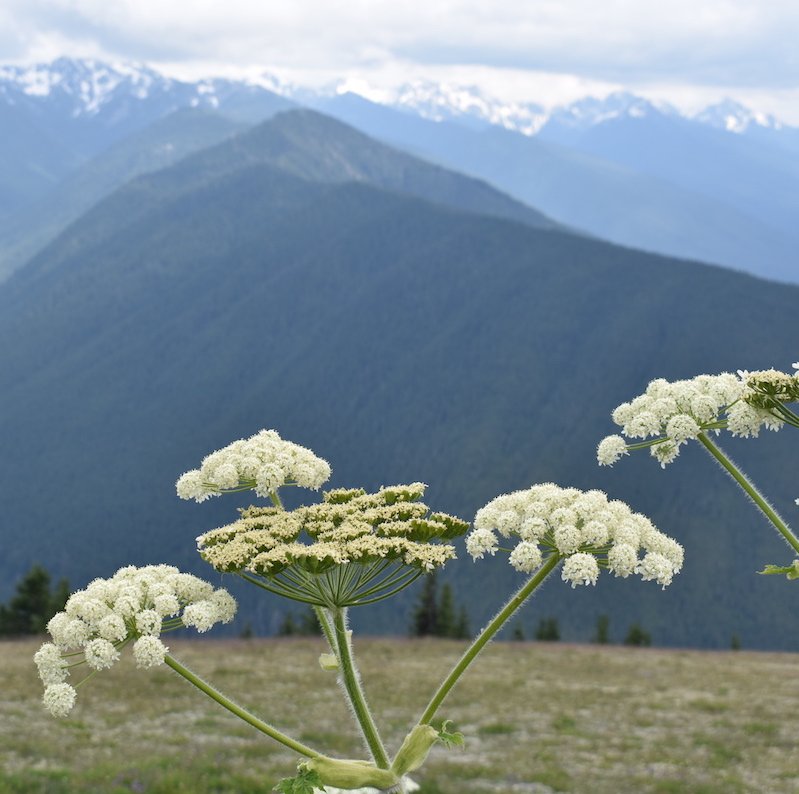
(349, 675)
(234, 708)
(521, 595)
(749, 488)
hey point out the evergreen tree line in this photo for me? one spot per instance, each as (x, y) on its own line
(549, 631)
(436, 615)
(36, 600)
(33, 604)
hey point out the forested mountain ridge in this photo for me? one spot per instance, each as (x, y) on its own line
(399, 338)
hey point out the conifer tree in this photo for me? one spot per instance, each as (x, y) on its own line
(602, 636)
(425, 618)
(33, 604)
(638, 636)
(548, 630)
(445, 623)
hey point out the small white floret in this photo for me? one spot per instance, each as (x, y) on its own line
(59, 699)
(149, 651)
(580, 568)
(610, 450)
(481, 542)
(526, 557)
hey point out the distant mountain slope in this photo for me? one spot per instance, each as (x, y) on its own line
(398, 338)
(743, 171)
(157, 146)
(319, 148)
(57, 116)
(610, 200)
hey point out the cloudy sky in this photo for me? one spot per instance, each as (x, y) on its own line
(688, 51)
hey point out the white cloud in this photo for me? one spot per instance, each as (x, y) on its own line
(516, 47)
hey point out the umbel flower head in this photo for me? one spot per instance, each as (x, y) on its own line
(264, 462)
(669, 414)
(136, 605)
(589, 531)
(353, 548)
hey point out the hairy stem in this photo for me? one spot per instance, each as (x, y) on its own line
(327, 628)
(516, 600)
(349, 675)
(234, 708)
(749, 488)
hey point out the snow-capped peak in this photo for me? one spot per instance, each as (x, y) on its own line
(732, 116)
(443, 101)
(85, 83)
(590, 111)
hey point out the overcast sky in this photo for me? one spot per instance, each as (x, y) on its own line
(688, 51)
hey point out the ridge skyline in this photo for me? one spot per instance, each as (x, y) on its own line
(98, 79)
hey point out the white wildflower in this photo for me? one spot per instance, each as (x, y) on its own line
(148, 621)
(585, 528)
(149, 651)
(681, 427)
(610, 449)
(263, 462)
(744, 420)
(130, 605)
(665, 452)
(642, 425)
(580, 568)
(100, 654)
(673, 413)
(113, 628)
(59, 699)
(51, 664)
(526, 557)
(595, 533)
(350, 527)
(201, 615)
(622, 559)
(656, 566)
(567, 538)
(480, 542)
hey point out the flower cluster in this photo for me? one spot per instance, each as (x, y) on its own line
(264, 462)
(135, 605)
(669, 414)
(584, 527)
(770, 390)
(349, 528)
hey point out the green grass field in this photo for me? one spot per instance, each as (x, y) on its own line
(537, 718)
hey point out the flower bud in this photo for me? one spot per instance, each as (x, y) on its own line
(414, 749)
(328, 661)
(348, 774)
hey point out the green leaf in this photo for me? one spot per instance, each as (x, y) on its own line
(791, 571)
(305, 782)
(448, 738)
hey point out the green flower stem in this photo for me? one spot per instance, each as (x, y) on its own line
(750, 490)
(238, 711)
(327, 628)
(516, 600)
(276, 500)
(349, 675)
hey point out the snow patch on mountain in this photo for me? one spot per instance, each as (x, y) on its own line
(732, 116)
(85, 87)
(445, 102)
(591, 111)
(87, 84)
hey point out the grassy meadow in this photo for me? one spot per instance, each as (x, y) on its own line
(538, 718)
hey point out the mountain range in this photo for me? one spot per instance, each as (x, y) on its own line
(718, 186)
(405, 322)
